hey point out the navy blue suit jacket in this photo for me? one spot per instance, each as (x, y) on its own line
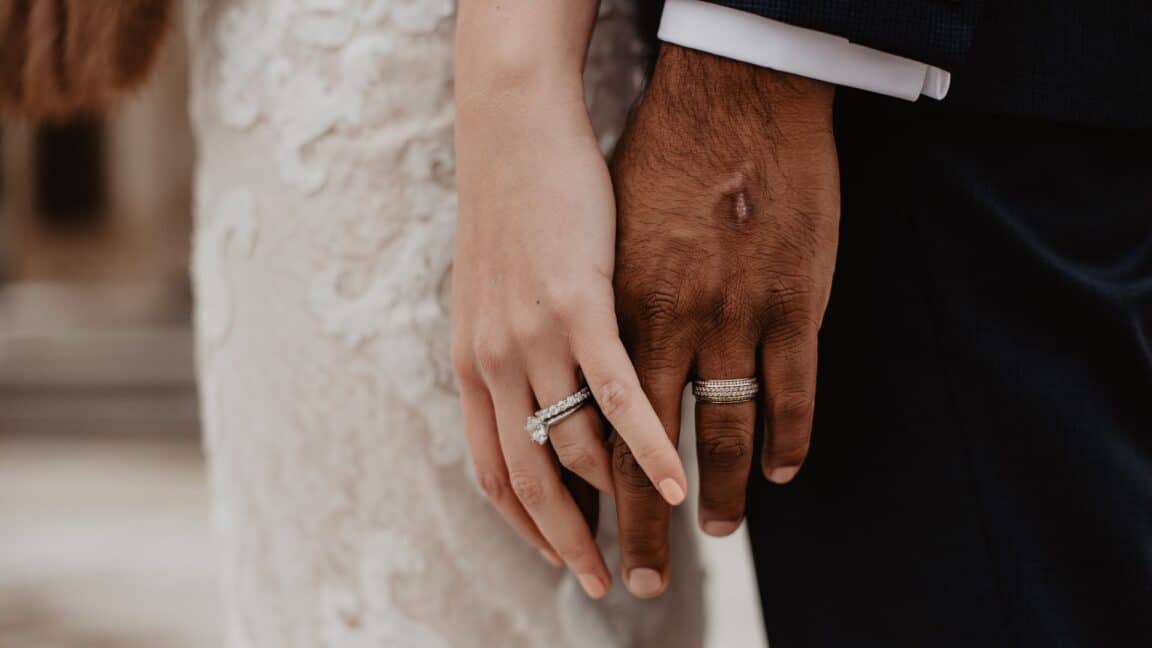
(1066, 60)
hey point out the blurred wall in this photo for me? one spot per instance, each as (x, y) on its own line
(95, 219)
(104, 524)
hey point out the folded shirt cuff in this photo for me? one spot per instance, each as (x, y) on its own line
(751, 38)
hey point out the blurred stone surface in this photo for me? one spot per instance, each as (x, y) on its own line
(105, 543)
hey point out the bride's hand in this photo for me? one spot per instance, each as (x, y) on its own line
(533, 307)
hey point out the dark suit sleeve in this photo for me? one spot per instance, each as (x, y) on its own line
(932, 31)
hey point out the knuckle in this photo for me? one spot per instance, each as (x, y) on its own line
(574, 456)
(630, 471)
(658, 306)
(725, 451)
(709, 301)
(793, 407)
(569, 302)
(731, 311)
(529, 329)
(658, 354)
(612, 398)
(645, 545)
(575, 554)
(462, 364)
(649, 454)
(720, 296)
(494, 485)
(492, 352)
(789, 308)
(529, 489)
(790, 332)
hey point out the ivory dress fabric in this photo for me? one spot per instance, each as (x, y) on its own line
(345, 508)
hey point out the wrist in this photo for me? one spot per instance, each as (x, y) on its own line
(521, 119)
(494, 77)
(707, 84)
(522, 50)
(519, 94)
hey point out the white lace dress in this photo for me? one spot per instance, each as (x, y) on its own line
(325, 207)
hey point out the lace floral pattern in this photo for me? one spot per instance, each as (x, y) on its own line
(325, 213)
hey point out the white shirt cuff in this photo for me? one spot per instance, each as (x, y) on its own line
(751, 38)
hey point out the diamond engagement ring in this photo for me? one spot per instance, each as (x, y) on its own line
(722, 392)
(538, 424)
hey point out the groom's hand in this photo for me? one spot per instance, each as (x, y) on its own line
(728, 199)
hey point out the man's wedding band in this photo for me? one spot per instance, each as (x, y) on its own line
(724, 392)
(538, 424)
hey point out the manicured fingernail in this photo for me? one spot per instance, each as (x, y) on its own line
(593, 586)
(551, 558)
(644, 582)
(671, 491)
(782, 474)
(720, 528)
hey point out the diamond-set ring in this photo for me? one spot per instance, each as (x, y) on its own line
(538, 424)
(727, 391)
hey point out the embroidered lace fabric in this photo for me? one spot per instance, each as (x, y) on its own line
(345, 511)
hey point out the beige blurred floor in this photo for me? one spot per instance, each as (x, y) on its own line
(105, 544)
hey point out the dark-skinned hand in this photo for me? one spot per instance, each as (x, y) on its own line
(727, 192)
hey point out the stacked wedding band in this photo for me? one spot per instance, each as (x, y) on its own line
(538, 424)
(722, 392)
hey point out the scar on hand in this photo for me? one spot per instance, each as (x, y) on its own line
(741, 210)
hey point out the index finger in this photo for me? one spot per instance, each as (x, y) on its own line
(617, 391)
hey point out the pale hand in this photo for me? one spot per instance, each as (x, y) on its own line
(534, 319)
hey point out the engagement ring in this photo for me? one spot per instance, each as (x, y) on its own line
(538, 424)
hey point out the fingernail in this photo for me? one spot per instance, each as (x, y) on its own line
(782, 474)
(593, 586)
(671, 491)
(644, 582)
(720, 528)
(551, 558)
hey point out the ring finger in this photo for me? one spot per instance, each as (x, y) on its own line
(578, 440)
(725, 434)
(535, 478)
(480, 430)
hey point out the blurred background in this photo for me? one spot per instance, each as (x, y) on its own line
(104, 528)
